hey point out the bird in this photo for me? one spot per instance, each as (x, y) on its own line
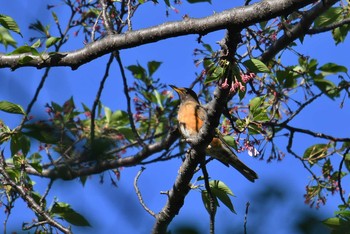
(191, 117)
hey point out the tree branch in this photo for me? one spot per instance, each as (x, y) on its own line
(239, 17)
(69, 172)
(196, 153)
(299, 30)
(327, 28)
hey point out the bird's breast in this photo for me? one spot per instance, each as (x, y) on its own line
(189, 117)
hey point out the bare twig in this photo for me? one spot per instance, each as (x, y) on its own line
(128, 100)
(339, 178)
(246, 217)
(97, 99)
(139, 193)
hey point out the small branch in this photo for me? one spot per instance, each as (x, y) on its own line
(128, 100)
(36, 95)
(97, 99)
(339, 178)
(106, 19)
(139, 193)
(212, 205)
(328, 27)
(28, 199)
(246, 217)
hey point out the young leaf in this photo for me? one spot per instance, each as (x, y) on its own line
(332, 15)
(206, 201)
(12, 108)
(51, 41)
(221, 191)
(63, 210)
(6, 38)
(153, 67)
(331, 68)
(9, 23)
(256, 66)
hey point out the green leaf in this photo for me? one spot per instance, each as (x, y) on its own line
(119, 118)
(63, 210)
(221, 191)
(55, 18)
(153, 67)
(332, 68)
(6, 38)
(328, 87)
(36, 44)
(19, 142)
(25, 49)
(332, 222)
(256, 102)
(206, 201)
(43, 133)
(333, 14)
(159, 99)
(197, 1)
(231, 141)
(256, 66)
(339, 34)
(127, 132)
(9, 23)
(51, 41)
(12, 108)
(315, 152)
(108, 114)
(137, 71)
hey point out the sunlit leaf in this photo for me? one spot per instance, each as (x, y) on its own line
(6, 39)
(332, 15)
(331, 68)
(153, 67)
(221, 191)
(256, 66)
(51, 41)
(12, 108)
(9, 23)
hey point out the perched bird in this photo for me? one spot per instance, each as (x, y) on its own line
(191, 117)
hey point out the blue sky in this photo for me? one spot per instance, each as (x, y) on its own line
(109, 208)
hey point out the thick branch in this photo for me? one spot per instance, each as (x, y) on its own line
(196, 154)
(239, 17)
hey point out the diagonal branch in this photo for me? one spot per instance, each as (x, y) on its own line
(238, 17)
(299, 30)
(195, 155)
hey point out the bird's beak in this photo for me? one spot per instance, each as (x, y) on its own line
(178, 90)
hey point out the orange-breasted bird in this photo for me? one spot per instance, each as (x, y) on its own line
(191, 117)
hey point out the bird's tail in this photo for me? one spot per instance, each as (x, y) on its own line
(220, 150)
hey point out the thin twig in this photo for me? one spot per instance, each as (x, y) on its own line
(339, 178)
(139, 193)
(28, 199)
(97, 99)
(128, 100)
(328, 27)
(212, 205)
(246, 217)
(35, 97)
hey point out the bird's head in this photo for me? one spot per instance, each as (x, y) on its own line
(185, 94)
